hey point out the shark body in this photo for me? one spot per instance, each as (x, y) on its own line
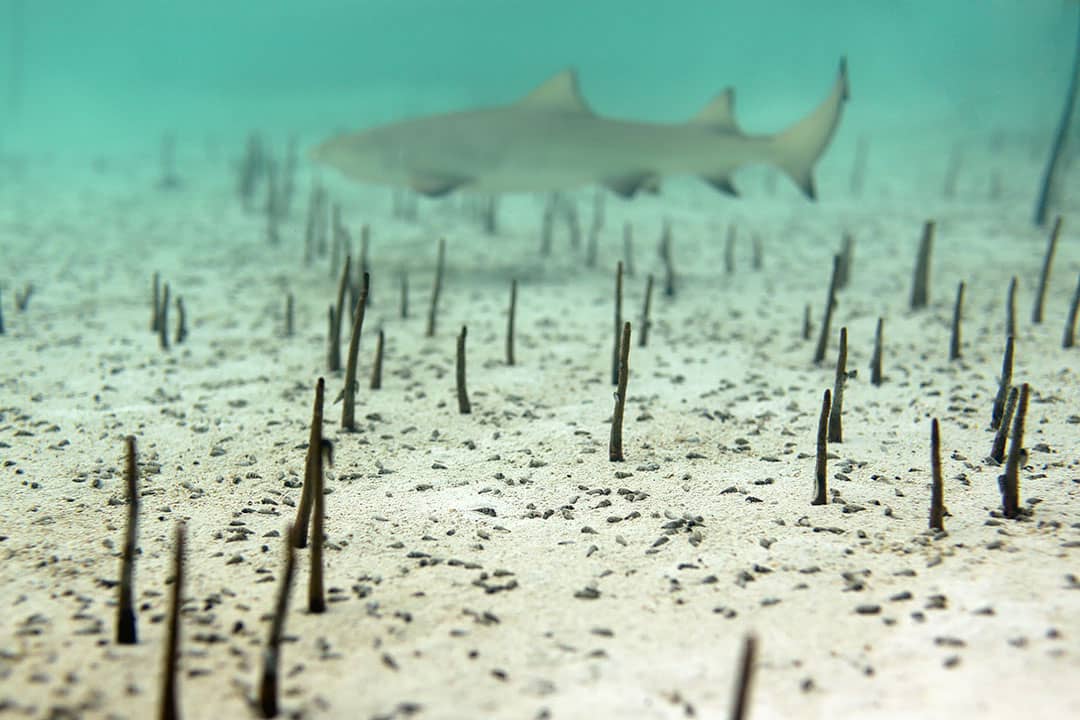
(551, 140)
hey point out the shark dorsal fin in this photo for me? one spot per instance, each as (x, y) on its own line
(558, 93)
(719, 114)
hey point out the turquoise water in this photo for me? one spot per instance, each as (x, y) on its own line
(96, 75)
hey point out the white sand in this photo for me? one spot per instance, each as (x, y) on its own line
(723, 405)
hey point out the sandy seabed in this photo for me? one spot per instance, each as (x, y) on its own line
(497, 564)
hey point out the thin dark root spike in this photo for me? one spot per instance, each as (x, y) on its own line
(126, 626)
(169, 707)
(615, 446)
(821, 468)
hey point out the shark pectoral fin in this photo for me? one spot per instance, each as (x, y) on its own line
(723, 184)
(436, 184)
(627, 186)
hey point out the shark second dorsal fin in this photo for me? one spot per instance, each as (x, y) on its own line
(558, 93)
(719, 114)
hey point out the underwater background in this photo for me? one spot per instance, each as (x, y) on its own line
(108, 75)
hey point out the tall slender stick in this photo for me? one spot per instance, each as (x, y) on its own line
(376, 365)
(268, 682)
(958, 311)
(333, 356)
(1068, 340)
(646, 323)
(1044, 275)
(920, 285)
(826, 320)
(836, 411)
(169, 709)
(1004, 383)
(876, 378)
(745, 678)
(436, 288)
(348, 404)
(126, 631)
(303, 508)
(316, 596)
(464, 406)
(1010, 486)
(618, 324)
(997, 449)
(937, 503)
(615, 446)
(821, 468)
(510, 322)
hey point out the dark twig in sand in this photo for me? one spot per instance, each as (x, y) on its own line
(268, 681)
(807, 325)
(646, 322)
(847, 257)
(618, 324)
(316, 594)
(665, 257)
(333, 351)
(22, 299)
(821, 467)
(745, 679)
(303, 508)
(464, 406)
(169, 709)
(592, 245)
(290, 315)
(376, 365)
(510, 322)
(1010, 481)
(1069, 339)
(757, 259)
(181, 321)
(547, 225)
(348, 403)
(126, 632)
(155, 310)
(729, 250)
(615, 446)
(1004, 383)
(876, 378)
(163, 319)
(628, 249)
(920, 285)
(1044, 275)
(403, 310)
(997, 449)
(937, 488)
(826, 319)
(436, 287)
(365, 251)
(836, 411)
(1, 312)
(957, 316)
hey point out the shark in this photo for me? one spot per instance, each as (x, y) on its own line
(552, 140)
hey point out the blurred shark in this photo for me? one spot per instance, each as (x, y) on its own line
(551, 140)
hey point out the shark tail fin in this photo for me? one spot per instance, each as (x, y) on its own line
(797, 149)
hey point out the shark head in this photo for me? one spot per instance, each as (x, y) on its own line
(360, 156)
